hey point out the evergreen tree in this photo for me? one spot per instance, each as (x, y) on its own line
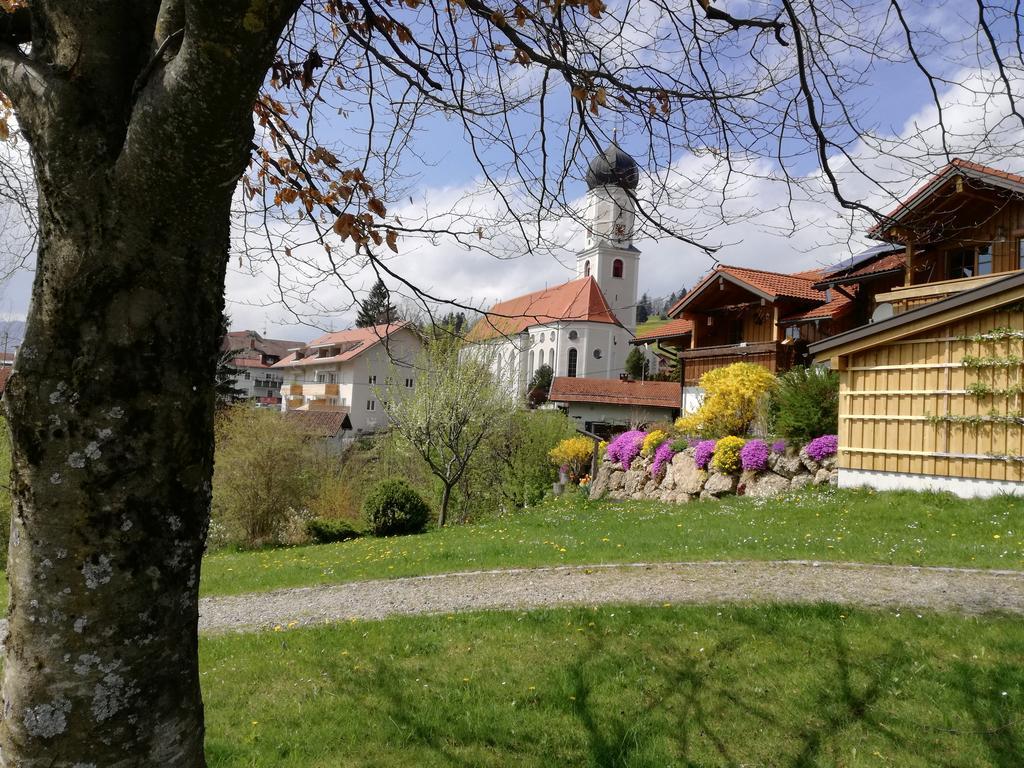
(540, 385)
(643, 309)
(376, 308)
(227, 375)
(637, 365)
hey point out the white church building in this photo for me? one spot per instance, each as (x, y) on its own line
(580, 328)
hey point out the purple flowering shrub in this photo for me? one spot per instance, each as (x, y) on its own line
(626, 447)
(662, 455)
(779, 446)
(703, 452)
(754, 455)
(822, 447)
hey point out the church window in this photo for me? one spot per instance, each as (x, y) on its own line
(571, 370)
(617, 268)
(531, 362)
(586, 268)
(551, 359)
(573, 335)
(551, 336)
(597, 354)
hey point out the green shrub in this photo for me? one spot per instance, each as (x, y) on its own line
(393, 509)
(806, 403)
(329, 531)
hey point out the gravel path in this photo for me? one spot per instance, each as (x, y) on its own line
(955, 590)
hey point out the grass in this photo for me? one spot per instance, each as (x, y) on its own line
(906, 528)
(623, 686)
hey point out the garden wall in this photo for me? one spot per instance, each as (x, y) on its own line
(681, 480)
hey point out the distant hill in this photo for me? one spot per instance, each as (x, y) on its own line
(12, 334)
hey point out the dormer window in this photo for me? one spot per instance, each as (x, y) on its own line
(617, 268)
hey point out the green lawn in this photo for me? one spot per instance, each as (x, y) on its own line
(920, 529)
(623, 686)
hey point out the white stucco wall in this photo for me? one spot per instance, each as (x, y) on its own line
(965, 487)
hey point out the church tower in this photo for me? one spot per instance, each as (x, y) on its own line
(609, 255)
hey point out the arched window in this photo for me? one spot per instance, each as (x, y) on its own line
(586, 268)
(532, 369)
(571, 371)
(617, 268)
(551, 358)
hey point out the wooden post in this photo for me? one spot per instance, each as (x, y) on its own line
(909, 277)
(593, 460)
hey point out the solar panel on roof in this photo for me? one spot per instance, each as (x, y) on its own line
(861, 258)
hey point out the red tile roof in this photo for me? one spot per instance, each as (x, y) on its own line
(995, 176)
(672, 328)
(321, 423)
(838, 306)
(659, 394)
(350, 344)
(774, 284)
(578, 300)
(238, 341)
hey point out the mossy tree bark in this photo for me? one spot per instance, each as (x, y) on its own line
(139, 117)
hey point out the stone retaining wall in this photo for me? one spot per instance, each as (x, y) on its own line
(682, 481)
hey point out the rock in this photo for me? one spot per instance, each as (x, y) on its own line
(766, 485)
(801, 480)
(636, 478)
(788, 465)
(720, 485)
(807, 461)
(833, 477)
(829, 463)
(822, 476)
(651, 488)
(705, 496)
(668, 480)
(685, 475)
(599, 487)
(616, 480)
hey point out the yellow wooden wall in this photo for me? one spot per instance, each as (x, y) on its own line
(887, 394)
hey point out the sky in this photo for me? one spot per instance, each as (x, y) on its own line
(445, 179)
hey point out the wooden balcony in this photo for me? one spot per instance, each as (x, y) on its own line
(311, 390)
(908, 297)
(773, 355)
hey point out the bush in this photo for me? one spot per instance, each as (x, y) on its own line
(703, 452)
(329, 531)
(626, 447)
(652, 441)
(395, 509)
(754, 456)
(822, 447)
(574, 453)
(727, 455)
(732, 397)
(806, 403)
(265, 469)
(662, 455)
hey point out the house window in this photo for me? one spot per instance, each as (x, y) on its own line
(1020, 253)
(371, 405)
(321, 378)
(586, 268)
(793, 332)
(617, 268)
(960, 263)
(571, 371)
(246, 375)
(373, 379)
(984, 260)
(408, 383)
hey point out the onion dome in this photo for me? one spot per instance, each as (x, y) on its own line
(613, 167)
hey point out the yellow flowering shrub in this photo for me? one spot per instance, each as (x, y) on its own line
(652, 441)
(732, 396)
(574, 453)
(727, 455)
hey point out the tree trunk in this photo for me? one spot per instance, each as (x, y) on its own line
(111, 414)
(442, 516)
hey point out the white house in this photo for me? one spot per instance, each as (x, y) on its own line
(580, 328)
(349, 371)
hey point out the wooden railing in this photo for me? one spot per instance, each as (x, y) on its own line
(909, 297)
(773, 355)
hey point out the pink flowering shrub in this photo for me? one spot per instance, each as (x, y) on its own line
(662, 455)
(626, 447)
(703, 452)
(754, 455)
(822, 447)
